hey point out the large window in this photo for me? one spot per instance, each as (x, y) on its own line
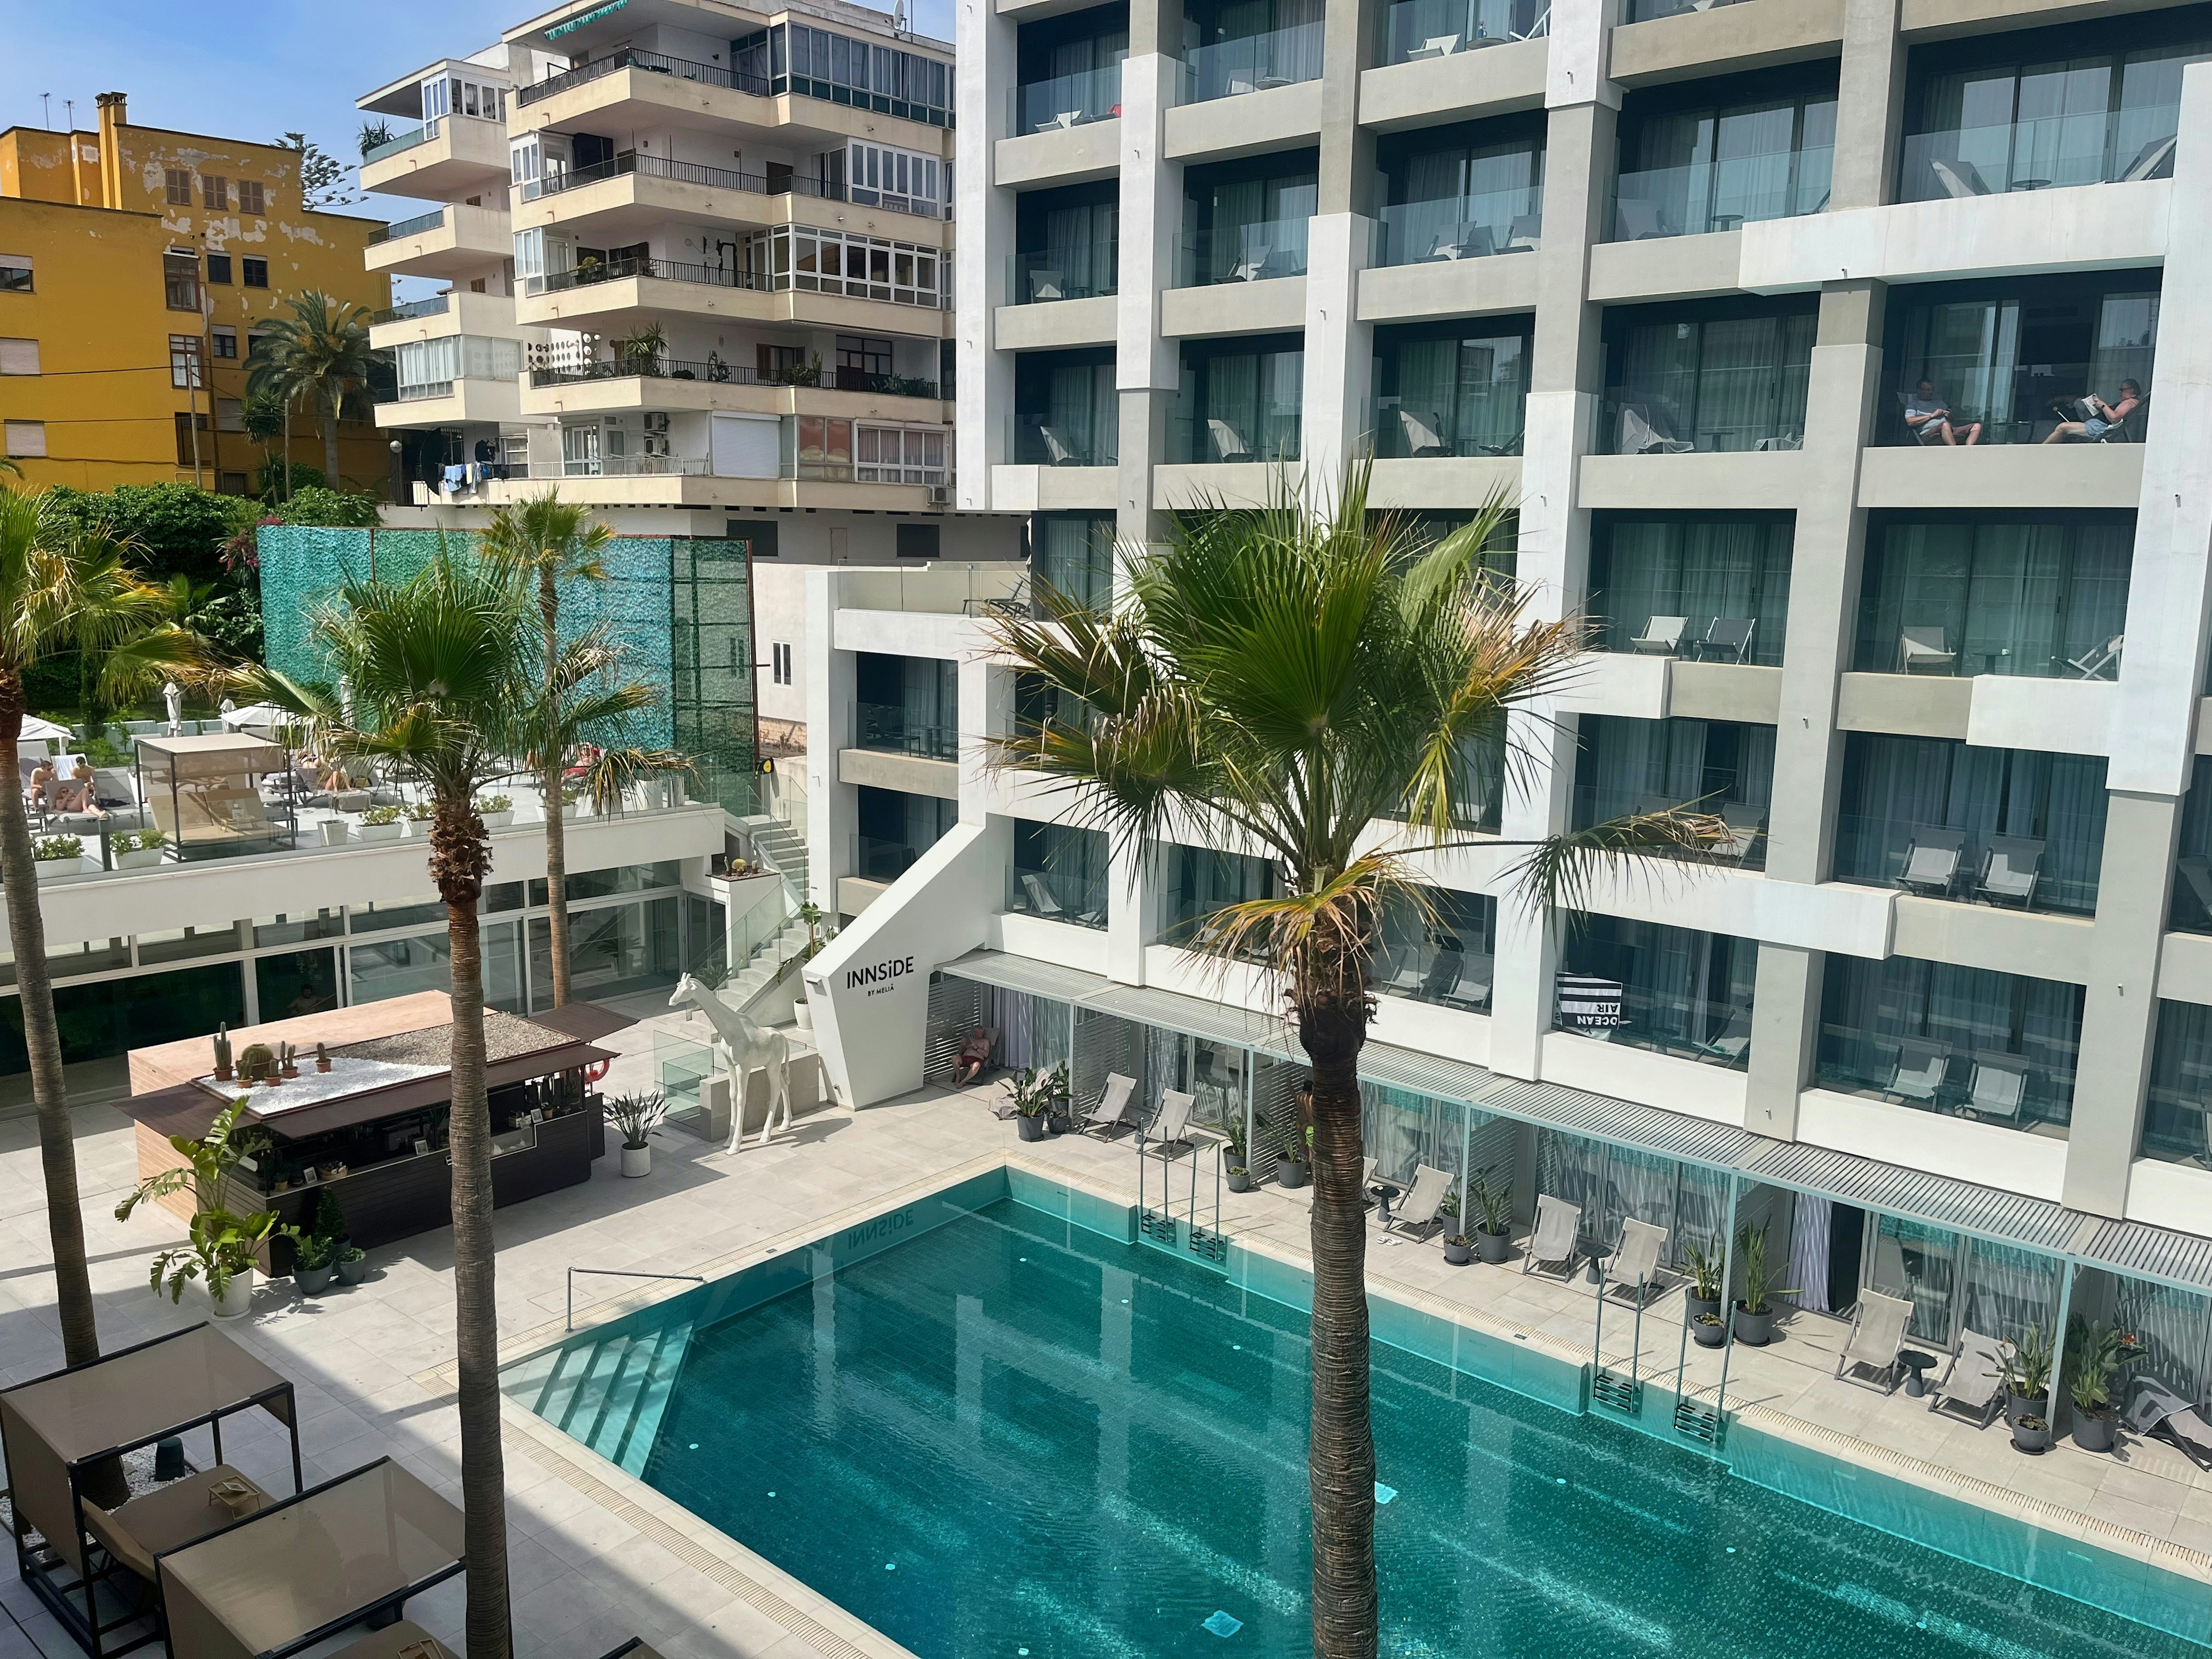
(1716, 587)
(1233, 47)
(1070, 70)
(2042, 595)
(1715, 156)
(1073, 553)
(1059, 873)
(815, 64)
(1672, 989)
(1442, 949)
(106, 1018)
(2178, 1115)
(1245, 222)
(1066, 410)
(427, 368)
(1453, 389)
(611, 952)
(895, 828)
(1413, 30)
(1201, 880)
(2047, 107)
(1068, 243)
(906, 705)
(1724, 767)
(1714, 376)
(181, 281)
(1241, 400)
(2014, 827)
(1460, 192)
(858, 267)
(2022, 364)
(1967, 1042)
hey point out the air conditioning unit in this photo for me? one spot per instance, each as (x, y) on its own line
(656, 421)
(940, 494)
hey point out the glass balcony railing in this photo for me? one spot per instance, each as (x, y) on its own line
(2061, 150)
(1065, 100)
(1937, 860)
(1708, 196)
(624, 57)
(1253, 63)
(888, 728)
(1037, 440)
(1461, 226)
(1266, 430)
(1643, 11)
(436, 306)
(1439, 966)
(875, 860)
(1745, 849)
(393, 146)
(1417, 29)
(399, 228)
(1041, 278)
(1985, 402)
(1254, 252)
(1488, 422)
(1640, 421)
(1058, 896)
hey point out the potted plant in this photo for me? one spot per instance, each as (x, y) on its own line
(1294, 1157)
(220, 1245)
(1493, 1212)
(418, 819)
(569, 796)
(637, 1116)
(498, 811)
(58, 855)
(1032, 1093)
(1459, 1249)
(1754, 1315)
(1703, 1295)
(333, 832)
(1706, 1329)
(2098, 1354)
(138, 849)
(1236, 1161)
(811, 915)
(353, 1264)
(314, 1263)
(2024, 1367)
(2030, 1434)
(381, 824)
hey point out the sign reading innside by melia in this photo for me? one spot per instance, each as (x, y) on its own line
(878, 977)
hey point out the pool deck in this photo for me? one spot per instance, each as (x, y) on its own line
(596, 1557)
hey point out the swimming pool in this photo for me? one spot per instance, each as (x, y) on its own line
(1008, 1436)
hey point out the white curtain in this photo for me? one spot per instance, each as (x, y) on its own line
(1809, 1252)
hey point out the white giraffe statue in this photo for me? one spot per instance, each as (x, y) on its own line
(746, 1048)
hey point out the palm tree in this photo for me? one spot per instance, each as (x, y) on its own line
(1291, 682)
(65, 590)
(267, 417)
(441, 678)
(541, 543)
(320, 356)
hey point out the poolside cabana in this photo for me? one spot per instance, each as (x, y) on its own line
(204, 793)
(91, 1566)
(300, 1572)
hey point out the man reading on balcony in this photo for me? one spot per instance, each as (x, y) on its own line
(2098, 416)
(1929, 419)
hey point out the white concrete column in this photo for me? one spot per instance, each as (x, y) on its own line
(983, 78)
(1144, 362)
(832, 805)
(1339, 352)
(1869, 99)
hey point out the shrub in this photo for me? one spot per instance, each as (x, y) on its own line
(380, 814)
(57, 847)
(316, 505)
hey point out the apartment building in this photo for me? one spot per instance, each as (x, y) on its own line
(1777, 319)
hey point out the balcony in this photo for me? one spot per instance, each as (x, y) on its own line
(893, 728)
(403, 228)
(1709, 383)
(781, 182)
(451, 156)
(1256, 251)
(1253, 63)
(406, 140)
(1704, 590)
(1625, 767)
(1444, 957)
(1413, 30)
(463, 400)
(1449, 396)
(1931, 817)
(1091, 272)
(1702, 196)
(1970, 1042)
(890, 273)
(436, 306)
(1065, 102)
(1239, 407)
(715, 372)
(452, 243)
(1079, 901)
(881, 859)
(630, 58)
(1044, 438)
(2053, 152)
(1670, 990)
(2045, 597)
(1469, 227)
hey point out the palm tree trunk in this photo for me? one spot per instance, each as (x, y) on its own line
(19, 877)
(1330, 1003)
(458, 858)
(330, 421)
(556, 832)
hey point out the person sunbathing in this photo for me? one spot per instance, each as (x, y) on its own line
(975, 1056)
(1929, 419)
(2098, 416)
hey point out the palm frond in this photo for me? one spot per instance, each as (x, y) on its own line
(615, 770)
(1559, 872)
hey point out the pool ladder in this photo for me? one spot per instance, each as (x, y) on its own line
(1607, 1386)
(1163, 1227)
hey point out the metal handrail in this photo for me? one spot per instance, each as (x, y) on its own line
(614, 1272)
(399, 228)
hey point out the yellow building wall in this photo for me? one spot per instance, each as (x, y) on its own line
(96, 231)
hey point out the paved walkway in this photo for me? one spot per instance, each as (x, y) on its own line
(596, 1558)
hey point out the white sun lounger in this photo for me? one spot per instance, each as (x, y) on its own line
(1112, 1111)
(1972, 1380)
(1417, 1211)
(1634, 1267)
(1877, 1336)
(2155, 1409)
(1558, 1224)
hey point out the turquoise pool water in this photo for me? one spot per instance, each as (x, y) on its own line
(1009, 1437)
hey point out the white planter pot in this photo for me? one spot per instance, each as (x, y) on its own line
(334, 832)
(52, 869)
(382, 831)
(237, 1300)
(569, 814)
(497, 820)
(144, 858)
(804, 1015)
(637, 1160)
(419, 828)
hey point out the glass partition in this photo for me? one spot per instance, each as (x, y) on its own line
(1251, 45)
(1246, 222)
(1240, 403)
(2015, 827)
(1705, 380)
(2049, 360)
(1066, 411)
(1059, 874)
(1417, 29)
(1678, 991)
(1073, 554)
(1450, 391)
(1066, 101)
(1626, 766)
(1069, 246)
(2177, 1125)
(1714, 588)
(2043, 597)
(906, 705)
(1443, 953)
(1966, 1042)
(1684, 172)
(1455, 193)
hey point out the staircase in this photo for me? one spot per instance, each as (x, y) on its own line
(609, 1392)
(779, 847)
(765, 967)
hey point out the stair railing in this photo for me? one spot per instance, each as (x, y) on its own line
(614, 1272)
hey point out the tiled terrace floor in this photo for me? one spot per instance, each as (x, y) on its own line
(594, 1561)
